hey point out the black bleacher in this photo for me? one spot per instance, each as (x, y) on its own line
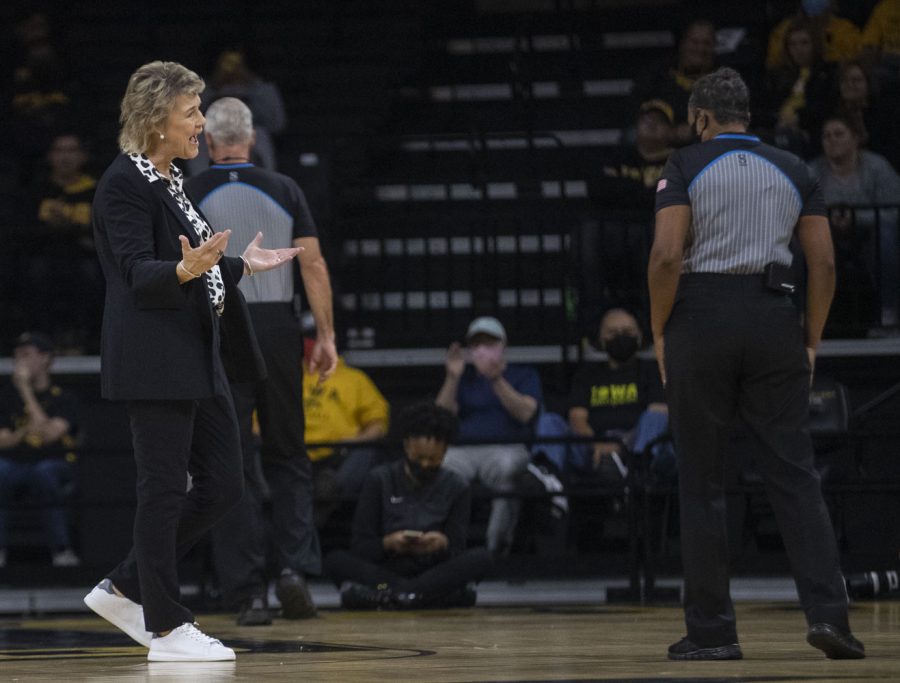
(366, 84)
(502, 128)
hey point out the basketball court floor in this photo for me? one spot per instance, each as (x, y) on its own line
(530, 632)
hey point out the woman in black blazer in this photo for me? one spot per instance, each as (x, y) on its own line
(175, 331)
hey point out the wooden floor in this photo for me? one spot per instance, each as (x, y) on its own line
(615, 642)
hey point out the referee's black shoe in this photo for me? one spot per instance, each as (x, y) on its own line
(686, 650)
(293, 594)
(834, 643)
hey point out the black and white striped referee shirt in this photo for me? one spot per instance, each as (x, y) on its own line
(745, 197)
(248, 199)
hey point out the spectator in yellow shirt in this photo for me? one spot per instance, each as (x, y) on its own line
(882, 31)
(841, 38)
(64, 292)
(881, 43)
(345, 407)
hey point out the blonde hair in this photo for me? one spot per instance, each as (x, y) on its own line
(149, 98)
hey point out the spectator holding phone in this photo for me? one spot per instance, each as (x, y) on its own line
(408, 545)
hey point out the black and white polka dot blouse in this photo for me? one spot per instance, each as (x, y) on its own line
(213, 278)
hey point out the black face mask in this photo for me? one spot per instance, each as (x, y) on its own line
(423, 475)
(622, 347)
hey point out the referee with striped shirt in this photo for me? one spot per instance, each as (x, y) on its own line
(730, 343)
(235, 194)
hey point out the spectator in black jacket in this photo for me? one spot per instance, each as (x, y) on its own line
(408, 546)
(38, 440)
(797, 90)
(696, 56)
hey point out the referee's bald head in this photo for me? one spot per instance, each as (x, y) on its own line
(724, 94)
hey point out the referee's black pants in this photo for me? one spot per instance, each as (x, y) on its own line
(241, 545)
(734, 348)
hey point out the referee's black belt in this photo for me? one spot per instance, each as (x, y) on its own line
(728, 282)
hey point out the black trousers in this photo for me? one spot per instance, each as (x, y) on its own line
(172, 439)
(431, 577)
(341, 475)
(240, 540)
(734, 348)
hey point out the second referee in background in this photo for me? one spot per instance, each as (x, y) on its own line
(730, 343)
(236, 194)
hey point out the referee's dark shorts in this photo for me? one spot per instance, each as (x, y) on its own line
(736, 349)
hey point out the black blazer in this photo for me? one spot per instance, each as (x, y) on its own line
(160, 339)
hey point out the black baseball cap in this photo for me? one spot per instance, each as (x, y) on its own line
(661, 106)
(36, 339)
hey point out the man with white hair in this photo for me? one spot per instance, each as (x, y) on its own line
(234, 193)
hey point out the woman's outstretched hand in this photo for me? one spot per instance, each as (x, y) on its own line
(258, 260)
(197, 260)
(203, 257)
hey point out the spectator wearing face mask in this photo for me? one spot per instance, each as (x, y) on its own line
(494, 400)
(408, 547)
(619, 400)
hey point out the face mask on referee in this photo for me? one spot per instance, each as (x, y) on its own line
(698, 131)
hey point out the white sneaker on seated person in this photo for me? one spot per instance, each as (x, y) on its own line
(66, 558)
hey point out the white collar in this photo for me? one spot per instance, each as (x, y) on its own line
(152, 174)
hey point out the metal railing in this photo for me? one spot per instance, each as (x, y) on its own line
(867, 255)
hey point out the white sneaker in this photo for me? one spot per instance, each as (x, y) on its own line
(66, 558)
(187, 643)
(119, 611)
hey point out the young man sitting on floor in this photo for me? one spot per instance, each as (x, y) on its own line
(408, 545)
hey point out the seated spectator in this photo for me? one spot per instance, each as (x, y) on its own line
(43, 97)
(63, 277)
(850, 175)
(408, 547)
(797, 89)
(494, 400)
(858, 96)
(232, 77)
(635, 168)
(696, 57)
(38, 430)
(620, 401)
(345, 407)
(611, 251)
(881, 41)
(840, 38)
